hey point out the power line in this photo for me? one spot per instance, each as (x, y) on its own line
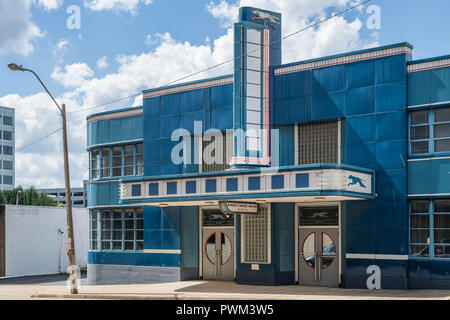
(209, 68)
(231, 60)
(38, 140)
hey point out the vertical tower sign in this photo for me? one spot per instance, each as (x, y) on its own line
(257, 48)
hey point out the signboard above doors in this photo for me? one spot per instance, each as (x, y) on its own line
(234, 207)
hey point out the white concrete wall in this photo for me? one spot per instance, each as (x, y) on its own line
(34, 245)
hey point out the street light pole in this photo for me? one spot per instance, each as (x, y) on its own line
(71, 241)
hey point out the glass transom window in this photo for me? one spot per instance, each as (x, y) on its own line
(318, 142)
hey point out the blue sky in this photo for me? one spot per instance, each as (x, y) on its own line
(149, 43)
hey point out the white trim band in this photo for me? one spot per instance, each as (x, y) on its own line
(429, 65)
(167, 251)
(428, 194)
(115, 115)
(426, 159)
(188, 87)
(429, 104)
(377, 256)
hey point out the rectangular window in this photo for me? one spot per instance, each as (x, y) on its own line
(117, 161)
(7, 165)
(139, 229)
(128, 160)
(430, 228)
(8, 180)
(7, 135)
(7, 121)
(117, 230)
(106, 230)
(8, 150)
(256, 236)
(139, 159)
(95, 173)
(216, 156)
(94, 229)
(106, 162)
(429, 131)
(129, 230)
(318, 142)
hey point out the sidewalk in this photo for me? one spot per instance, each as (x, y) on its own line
(218, 290)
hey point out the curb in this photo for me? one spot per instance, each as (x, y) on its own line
(94, 296)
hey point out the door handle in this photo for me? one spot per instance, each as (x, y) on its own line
(218, 259)
(319, 264)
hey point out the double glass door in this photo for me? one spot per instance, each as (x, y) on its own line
(319, 246)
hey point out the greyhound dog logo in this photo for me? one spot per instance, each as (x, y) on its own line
(320, 215)
(355, 180)
(261, 17)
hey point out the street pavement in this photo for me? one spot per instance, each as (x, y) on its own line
(55, 287)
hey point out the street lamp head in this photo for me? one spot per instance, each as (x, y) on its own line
(15, 67)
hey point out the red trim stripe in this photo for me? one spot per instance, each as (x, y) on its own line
(429, 68)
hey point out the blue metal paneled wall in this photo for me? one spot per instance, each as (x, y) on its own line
(370, 97)
(429, 86)
(163, 114)
(115, 130)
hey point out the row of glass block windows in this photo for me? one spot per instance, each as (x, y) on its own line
(116, 161)
(430, 228)
(429, 131)
(116, 230)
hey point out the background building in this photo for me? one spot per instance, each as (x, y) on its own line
(346, 158)
(7, 148)
(79, 195)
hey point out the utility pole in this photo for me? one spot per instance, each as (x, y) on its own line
(71, 251)
(70, 240)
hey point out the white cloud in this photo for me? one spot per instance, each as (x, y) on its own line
(334, 36)
(60, 49)
(225, 12)
(102, 62)
(73, 75)
(117, 5)
(17, 31)
(50, 4)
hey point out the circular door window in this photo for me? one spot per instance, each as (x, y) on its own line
(308, 249)
(210, 248)
(328, 250)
